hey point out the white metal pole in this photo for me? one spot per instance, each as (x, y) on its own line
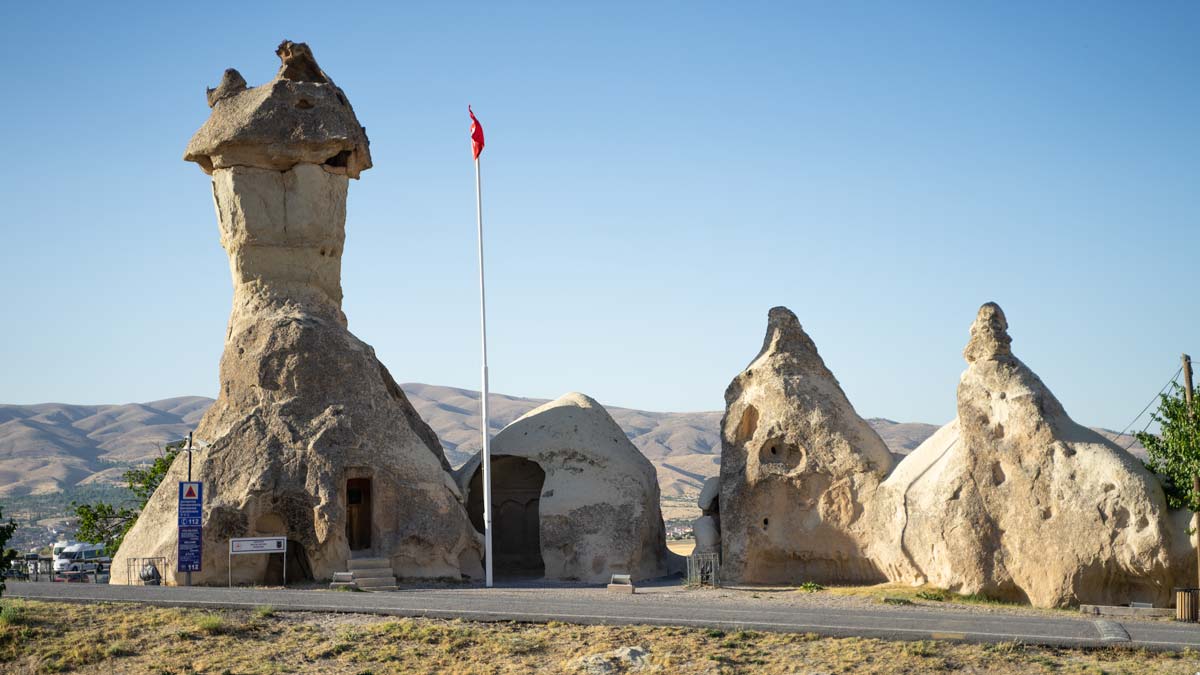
(487, 446)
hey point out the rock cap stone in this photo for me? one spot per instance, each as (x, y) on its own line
(989, 335)
(300, 116)
(785, 334)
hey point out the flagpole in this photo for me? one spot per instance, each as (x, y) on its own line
(487, 449)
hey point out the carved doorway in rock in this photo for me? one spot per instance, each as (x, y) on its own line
(516, 497)
(358, 513)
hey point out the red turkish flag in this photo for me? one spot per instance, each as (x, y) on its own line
(476, 134)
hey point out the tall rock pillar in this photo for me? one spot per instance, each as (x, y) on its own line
(310, 437)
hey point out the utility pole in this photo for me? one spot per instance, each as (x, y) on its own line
(1187, 381)
(1187, 398)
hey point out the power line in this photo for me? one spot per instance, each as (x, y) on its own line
(1143, 412)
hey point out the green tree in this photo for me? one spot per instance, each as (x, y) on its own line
(1174, 452)
(6, 554)
(104, 523)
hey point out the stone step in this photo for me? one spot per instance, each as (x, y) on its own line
(382, 573)
(343, 584)
(343, 577)
(368, 563)
(381, 588)
(374, 583)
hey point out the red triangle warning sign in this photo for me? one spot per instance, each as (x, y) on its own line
(190, 492)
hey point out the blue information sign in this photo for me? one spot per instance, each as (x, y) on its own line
(191, 513)
(190, 547)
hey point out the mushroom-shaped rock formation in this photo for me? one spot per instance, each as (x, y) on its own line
(1016, 501)
(300, 117)
(572, 498)
(798, 466)
(310, 437)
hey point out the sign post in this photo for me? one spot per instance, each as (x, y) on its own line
(245, 545)
(191, 541)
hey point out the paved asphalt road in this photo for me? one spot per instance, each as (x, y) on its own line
(594, 606)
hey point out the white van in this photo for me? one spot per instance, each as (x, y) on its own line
(79, 558)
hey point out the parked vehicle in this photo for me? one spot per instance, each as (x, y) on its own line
(86, 558)
(59, 547)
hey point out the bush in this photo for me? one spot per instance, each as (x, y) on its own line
(6, 555)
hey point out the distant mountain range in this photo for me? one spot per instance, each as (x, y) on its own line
(49, 447)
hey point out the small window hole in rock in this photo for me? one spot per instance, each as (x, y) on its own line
(339, 160)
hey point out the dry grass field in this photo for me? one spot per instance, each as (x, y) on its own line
(121, 638)
(681, 546)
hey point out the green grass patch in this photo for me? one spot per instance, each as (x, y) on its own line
(264, 611)
(922, 648)
(12, 613)
(118, 649)
(213, 624)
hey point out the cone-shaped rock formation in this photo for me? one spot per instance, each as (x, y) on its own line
(1014, 500)
(573, 498)
(310, 437)
(798, 466)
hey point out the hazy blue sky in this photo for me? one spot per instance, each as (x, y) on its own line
(657, 176)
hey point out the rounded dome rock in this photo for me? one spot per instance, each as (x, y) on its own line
(573, 499)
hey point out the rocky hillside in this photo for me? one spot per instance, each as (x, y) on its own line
(47, 447)
(50, 446)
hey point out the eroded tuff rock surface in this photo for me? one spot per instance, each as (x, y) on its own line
(1014, 500)
(304, 406)
(798, 468)
(594, 513)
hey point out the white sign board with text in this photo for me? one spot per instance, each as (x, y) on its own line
(258, 545)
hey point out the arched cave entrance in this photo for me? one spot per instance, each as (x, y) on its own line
(516, 497)
(298, 566)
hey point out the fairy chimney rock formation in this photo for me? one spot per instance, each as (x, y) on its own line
(1014, 500)
(310, 437)
(799, 467)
